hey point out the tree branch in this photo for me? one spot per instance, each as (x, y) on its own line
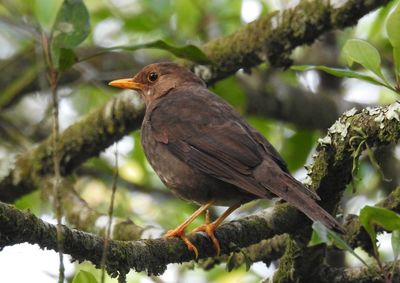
(272, 37)
(356, 235)
(143, 255)
(81, 216)
(380, 126)
(152, 256)
(357, 274)
(270, 97)
(85, 139)
(276, 35)
(331, 169)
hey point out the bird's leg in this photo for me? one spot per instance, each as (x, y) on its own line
(209, 228)
(180, 230)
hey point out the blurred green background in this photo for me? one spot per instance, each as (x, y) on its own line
(25, 114)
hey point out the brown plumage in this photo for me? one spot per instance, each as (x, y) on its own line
(205, 152)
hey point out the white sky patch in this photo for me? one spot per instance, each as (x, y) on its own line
(361, 92)
(251, 10)
(310, 80)
(67, 113)
(364, 25)
(128, 6)
(7, 48)
(262, 270)
(125, 145)
(39, 265)
(34, 106)
(385, 245)
(300, 174)
(397, 152)
(107, 33)
(355, 204)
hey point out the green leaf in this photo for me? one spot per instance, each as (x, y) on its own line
(375, 32)
(393, 27)
(33, 202)
(396, 57)
(340, 243)
(362, 52)
(189, 52)
(321, 234)
(396, 243)
(385, 218)
(67, 58)
(84, 277)
(44, 11)
(70, 28)
(342, 73)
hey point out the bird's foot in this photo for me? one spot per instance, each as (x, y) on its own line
(209, 229)
(180, 233)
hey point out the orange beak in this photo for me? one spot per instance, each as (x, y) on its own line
(127, 83)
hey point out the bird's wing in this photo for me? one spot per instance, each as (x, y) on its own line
(270, 149)
(208, 135)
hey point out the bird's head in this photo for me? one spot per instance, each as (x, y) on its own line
(156, 80)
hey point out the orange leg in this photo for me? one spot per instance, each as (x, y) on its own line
(180, 230)
(209, 228)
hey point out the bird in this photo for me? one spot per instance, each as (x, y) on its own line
(206, 152)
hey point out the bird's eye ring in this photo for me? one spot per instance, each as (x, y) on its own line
(153, 76)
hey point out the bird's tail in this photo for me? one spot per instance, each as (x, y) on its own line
(296, 194)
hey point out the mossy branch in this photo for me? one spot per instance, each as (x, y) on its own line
(380, 126)
(356, 235)
(330, 172)
(357, 274)
(151, 256)
(273, 37)
(332, 167)
(81, 216)
(85, 139)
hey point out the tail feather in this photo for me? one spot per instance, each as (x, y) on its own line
(283, 185)
(293, 192)
(301, 187)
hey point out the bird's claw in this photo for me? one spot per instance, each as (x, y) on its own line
(182, 235)
(209, 229)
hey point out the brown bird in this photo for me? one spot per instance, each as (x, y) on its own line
(205, 152)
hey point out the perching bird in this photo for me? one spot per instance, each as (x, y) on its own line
(205, 152)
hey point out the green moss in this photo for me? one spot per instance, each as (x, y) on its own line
(286, 271)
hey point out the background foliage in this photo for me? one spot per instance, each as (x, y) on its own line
(115, 38)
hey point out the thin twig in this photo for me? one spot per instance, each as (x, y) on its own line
(110, 215)
(53, 80)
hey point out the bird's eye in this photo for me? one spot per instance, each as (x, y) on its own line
(153, 76)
